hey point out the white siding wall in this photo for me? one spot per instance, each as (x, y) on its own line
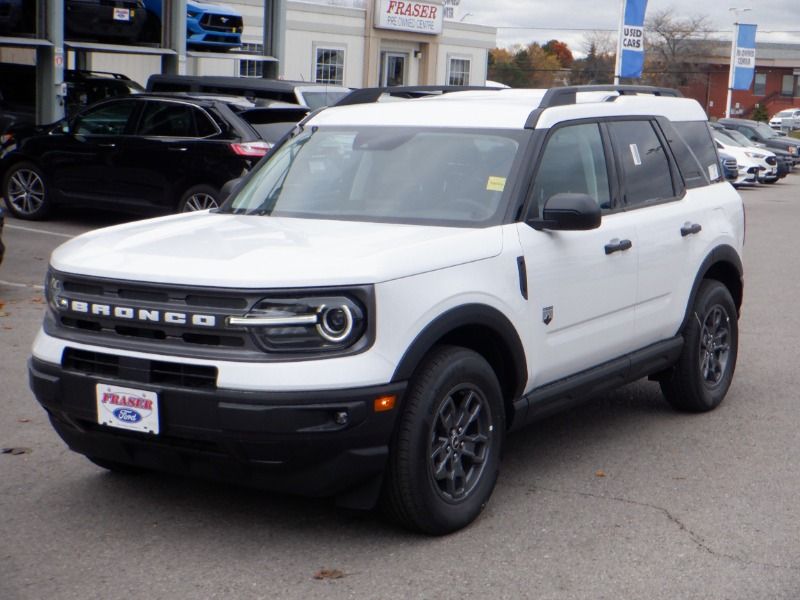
(309, 26)
(471, 42)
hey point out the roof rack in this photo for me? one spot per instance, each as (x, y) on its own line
(563, 96)
(567, 95)
(369, 95)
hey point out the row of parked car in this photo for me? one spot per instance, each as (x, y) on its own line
(208, 26)
(171, 148)
(752, 152)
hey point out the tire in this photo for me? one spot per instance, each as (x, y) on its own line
(115, 467)
(703, 374)
(199, 197)
(25, 192)
(453, 401)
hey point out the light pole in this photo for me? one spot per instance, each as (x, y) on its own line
(734, 42)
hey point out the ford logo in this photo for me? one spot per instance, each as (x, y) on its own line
(126, 415)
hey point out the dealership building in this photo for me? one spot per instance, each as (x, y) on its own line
(356, 43)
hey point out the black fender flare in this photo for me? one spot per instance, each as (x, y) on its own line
(726, 257)
(473, 317)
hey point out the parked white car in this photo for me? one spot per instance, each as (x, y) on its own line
(788, 119)
(755, 164)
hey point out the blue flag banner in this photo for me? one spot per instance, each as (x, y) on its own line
(744, 57)
(632, 39)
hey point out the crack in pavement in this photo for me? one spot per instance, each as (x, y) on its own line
(695, 537)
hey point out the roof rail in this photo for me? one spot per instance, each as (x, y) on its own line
(567, 95)
(563, 96)
(369, 95)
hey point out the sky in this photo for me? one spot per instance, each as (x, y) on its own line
(513, 17)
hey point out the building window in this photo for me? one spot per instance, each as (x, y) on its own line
(252, 68)
(760, 84)
(458, 71)
(329, 66)
(787, 85)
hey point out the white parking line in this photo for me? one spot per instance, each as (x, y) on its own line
(42, 231)
(21, 285)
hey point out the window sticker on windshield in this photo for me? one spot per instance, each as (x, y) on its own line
(713, 172)
(496, 184)
(637, 160)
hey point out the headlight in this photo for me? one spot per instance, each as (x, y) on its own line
(53, 286)
(324, 323)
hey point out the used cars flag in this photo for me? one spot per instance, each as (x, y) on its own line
(630, 47)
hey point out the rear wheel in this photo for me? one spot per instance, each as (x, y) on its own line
(703, 374)
(25, 192)
(446, 453)
(199, 197)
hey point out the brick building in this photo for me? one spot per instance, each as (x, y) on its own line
(776, 83)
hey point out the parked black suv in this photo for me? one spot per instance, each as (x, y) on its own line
(762, 133)
(148, 153)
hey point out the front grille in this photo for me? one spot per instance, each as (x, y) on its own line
(221, 23)
(152, 314)
(139, 370)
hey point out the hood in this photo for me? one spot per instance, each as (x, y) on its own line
(243, 251)
(211, 7)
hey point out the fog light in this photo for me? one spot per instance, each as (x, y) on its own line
(340, 418)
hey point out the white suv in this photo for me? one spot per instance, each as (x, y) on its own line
(398, 286)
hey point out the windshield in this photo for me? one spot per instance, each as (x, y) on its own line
(315, 100)
(766, 131)
(785, 113)
(430, 176)
(723, 138)
(738, 138)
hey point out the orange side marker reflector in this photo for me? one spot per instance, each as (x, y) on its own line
(384, 403)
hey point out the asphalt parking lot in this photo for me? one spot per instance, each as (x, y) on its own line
(619, 498)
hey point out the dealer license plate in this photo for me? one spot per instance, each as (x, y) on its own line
(122, 14)
(127, 408)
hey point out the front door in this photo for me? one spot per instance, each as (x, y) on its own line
(393, 68)
(582, 283)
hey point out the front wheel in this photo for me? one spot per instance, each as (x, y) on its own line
(25, 192)
(703, 374)
(445, 456)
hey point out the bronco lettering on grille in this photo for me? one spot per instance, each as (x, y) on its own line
(142, 314)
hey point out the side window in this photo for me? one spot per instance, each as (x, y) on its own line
(108, 119)
(643, 162)
(573, 160)
(168, 119)
(699, 161)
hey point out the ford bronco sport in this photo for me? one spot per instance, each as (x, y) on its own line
(395, 288)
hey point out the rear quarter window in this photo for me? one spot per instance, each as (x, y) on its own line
(695, 153)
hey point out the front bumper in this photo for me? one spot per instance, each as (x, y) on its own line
(291, 442)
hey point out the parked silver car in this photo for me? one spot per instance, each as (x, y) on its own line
(788, 119)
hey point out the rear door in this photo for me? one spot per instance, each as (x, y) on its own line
(167, 153)
(670, 217)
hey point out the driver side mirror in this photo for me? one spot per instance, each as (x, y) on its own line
(568, 212)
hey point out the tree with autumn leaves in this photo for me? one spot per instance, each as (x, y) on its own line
(531, 66)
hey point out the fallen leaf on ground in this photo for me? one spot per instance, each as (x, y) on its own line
(37, 300)
(600, 473)
(328, 574)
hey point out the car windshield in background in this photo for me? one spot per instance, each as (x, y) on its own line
(738, 137)
(316, 100)
(767, 131)
(385, 174)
